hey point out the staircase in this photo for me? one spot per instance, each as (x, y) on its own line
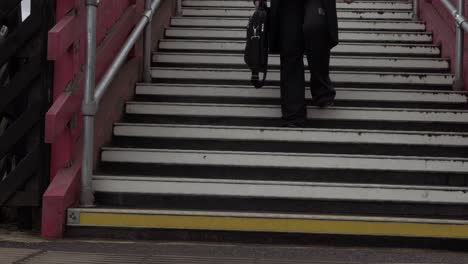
(200, 149)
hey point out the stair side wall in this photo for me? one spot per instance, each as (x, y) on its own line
(63, 191)
(441, 23)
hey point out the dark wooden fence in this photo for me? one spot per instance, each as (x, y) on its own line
(25, 95)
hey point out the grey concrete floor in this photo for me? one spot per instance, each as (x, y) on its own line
(29, 247)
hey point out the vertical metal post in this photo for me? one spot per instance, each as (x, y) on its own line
(147, 46)
(458, 83)
(179, 7)
(89, 107)
(415, 9)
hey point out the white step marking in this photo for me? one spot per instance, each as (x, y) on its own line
(272, 92)
(309, 135)
(377, 78)
(387, 5)
(281, 190)
(399, 64)
(362, 49)
(361, 36)
(342, 14)
(284, 160)
(374, 25)
(271, 111)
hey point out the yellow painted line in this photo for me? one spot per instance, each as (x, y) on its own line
(234, 223)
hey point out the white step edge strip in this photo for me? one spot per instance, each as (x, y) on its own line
(362, 36)
(342, 14)
(422, 138)
(285, 190)
(273, 111)
(376, 78)
(375, 25)
(360, 48)
(263, 215)
(274, 60)
(269, 92)
(285, 160)
(387, 5)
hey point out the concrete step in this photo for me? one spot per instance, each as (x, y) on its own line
(266, 222)
(345, 36)
(354, 49)
(273, 111)
(376, 25)
(391, 64)
(342, 13)
(277, 160)
(363, 5)
(280, 190)
(339, 78)
(272, 92)
(289, 135)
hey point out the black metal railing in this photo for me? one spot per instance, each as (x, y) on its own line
(25, 88)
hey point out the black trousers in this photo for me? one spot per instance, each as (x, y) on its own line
(303, 30)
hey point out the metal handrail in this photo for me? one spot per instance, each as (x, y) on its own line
(92, 97)
(415, 9)
(462, 27)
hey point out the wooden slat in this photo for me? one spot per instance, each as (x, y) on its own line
(18, 38)
(20, 82)
(62, 36)
(68, 104)
(19, 128)
(24, 170)
(6, 6)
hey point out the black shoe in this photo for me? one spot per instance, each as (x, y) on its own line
(293, 125)
(324, 101)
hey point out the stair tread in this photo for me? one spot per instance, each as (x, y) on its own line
(364, 94)
(291, 134)
(280, 189)
(285, 160)
(267, 215)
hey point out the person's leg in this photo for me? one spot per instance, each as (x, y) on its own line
(292, 62)
(316, 41)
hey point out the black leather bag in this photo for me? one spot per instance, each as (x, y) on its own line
(256, 48)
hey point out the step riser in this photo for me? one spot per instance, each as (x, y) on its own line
(283, 174)
(292, 161)
(281, 190)
(397, 115)
(341, 49)
(366, 37)
(289, 147)
(336, 63)
(356, 5)
(181, 202)
(343, 94)
(395, 15)
(290, 135)
(342, 25)
(338, 78)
